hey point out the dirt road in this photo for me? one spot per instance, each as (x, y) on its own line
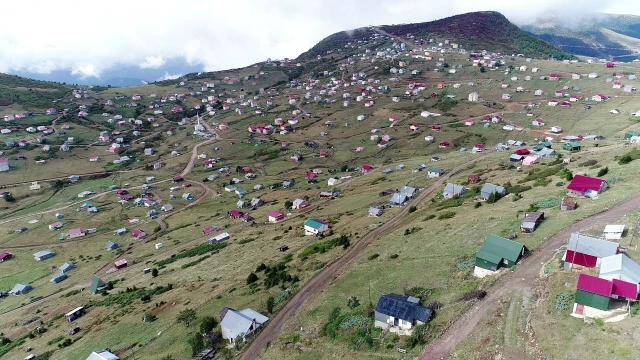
(322, 280)
(521, 278)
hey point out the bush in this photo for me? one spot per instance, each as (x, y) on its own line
(186, 317)
(466, 263)
(429, 217)
(446, 215)
(208, 324)
(393, 256)
(252, 278)
(477, 205)
(412, 209)
(598, 322)
(604, 171)
(564, 301)
(373, 257)
(474, 295)
(323, 246)
(270, 304)
(154, 272)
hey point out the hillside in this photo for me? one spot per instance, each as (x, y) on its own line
(478, 30)
(31, 95)
(597, 35)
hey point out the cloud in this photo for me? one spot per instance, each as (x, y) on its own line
(220, 34)
(153, 62)
(168, 76)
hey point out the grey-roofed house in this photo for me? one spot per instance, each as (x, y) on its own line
(242, 204)
(515, 158)
(152, 212)
(587, 251)
(112, 245)
(256, 202)
(67, 267)
(398, 199)
(20, 289)
(103, 355)
(400, 314)
(374, 211)
(546, 153)
(620, 267)
(44, 254)
(242, 323)
(408, 190)
(58, 277)
(488, 189)
(451, 190)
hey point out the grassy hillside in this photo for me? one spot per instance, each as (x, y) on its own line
(337, 41)
(32, 95)
(482, 30)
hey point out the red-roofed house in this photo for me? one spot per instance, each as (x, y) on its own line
(595, 285)
(554, 77)
(74, 233)
(275, 216)
(623, 289)
(5, 256)
(119, 264)
(138, 234)
(366, 168)
(310, 175)
(235, 214)
(443, 144)
(586, 186)
(210, 230)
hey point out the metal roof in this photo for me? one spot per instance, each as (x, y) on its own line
(239, 322)
(403, 307)
(592, 246)
(620, 267)
(495, 248)
(594, 285)
(613, 229)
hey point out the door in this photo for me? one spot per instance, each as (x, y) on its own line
(395, 322)
(579, 309)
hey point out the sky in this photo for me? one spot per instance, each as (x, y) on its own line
(88, 37)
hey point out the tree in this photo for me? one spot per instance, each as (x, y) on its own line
(604, 171)
(288, 204)
(9, 198)
(207, 324)
(482, 69)
(252, 278)
(196, 341)
(344, 168)
(353, 302)
(58, 185)
(270, 304)
(154, 272)
(186, 316)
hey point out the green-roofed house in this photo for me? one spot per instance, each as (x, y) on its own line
(434, 172)
(631, 133)
(571, 146)
(97, 285)
(496, 253)
(315, 227)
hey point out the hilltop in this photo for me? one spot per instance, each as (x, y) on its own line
(487, 30)
(608, 36)
(31, 95)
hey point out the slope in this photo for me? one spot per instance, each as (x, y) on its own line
(487, 30)
(31, 95)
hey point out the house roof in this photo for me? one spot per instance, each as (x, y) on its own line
(20, 288)
(66, 267)
(595, 285)
(454, 189)
(490, 189)
(613, 229)
(495, 248)
(592, 246)
(620, 267)
(239, 322)
(582, 183)
(408, 190)
(399, 198)
(59, 277)
(314, 223)
(374, 210)
(96, 283)
(43, 253)
(435, 170)
(102, 355)
(625, 289)
(112, 245)
(275, 214)
(120, 262)
(403, 307)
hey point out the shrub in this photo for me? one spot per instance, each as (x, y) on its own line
(477, 205)
(270, 304)
(373, 257)
(412, 209)
(186, 317)
(598, 322)
(446, 215)
(207, 324)
(604, 171)
(154, 272)
(473, 295)
(252, 278)
(393, 256)
(563, 301)
(429, 217)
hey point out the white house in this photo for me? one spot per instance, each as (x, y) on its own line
(613, 232)
(240, 324)
(315, 227)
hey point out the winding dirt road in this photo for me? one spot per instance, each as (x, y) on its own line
(522, 277)
(322, 280)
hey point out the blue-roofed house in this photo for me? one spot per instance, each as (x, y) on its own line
(242, 323)
(400, 314)
(398, 199)
(58, 277)
(488, 189)
(44, 254)
(112, 245)
(20, 289)
(67, 267)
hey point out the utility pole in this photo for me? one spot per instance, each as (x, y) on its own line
(370, 303)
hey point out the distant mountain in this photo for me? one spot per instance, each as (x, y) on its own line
(120, 75)
(608, 36)
(487, 30)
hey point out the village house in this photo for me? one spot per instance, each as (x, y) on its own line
(489, 189)
(20, 289)
(585, 186)
(374, 211)
(400, 314)
(276, 216)
(496, 253)
(613, 232)
(587, 251)
(43, 255)
(434, 172)
(77, 232)
(453, 190)
(531, 221)
(240, 324)
(315, 227)
(299, 204)
(567, 205)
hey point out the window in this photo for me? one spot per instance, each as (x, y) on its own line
(505, 261)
